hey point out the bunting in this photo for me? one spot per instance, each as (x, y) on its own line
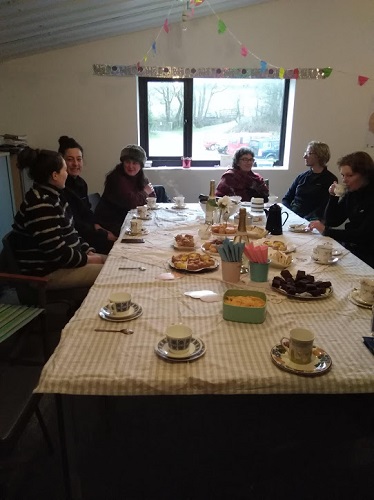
(266, 69)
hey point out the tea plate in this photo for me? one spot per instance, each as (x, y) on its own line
(333, 260)
(196, 350)
(304, 295)
(320, 364)
(354, 297)
(299, 228)
(181, 247)
(106, 314)
(279, 265)
(211, 268)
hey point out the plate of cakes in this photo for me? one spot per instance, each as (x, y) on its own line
(193, 262)
(184, 242)
(302, 286)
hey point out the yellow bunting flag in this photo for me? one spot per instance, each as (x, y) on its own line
(281, 72)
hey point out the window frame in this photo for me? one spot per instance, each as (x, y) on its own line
(175, 161)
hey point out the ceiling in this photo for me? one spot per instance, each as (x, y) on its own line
(33, 26)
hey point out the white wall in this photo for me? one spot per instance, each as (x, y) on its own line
(56, 93)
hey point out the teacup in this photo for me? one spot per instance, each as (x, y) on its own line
(273, 199)
(119, 303)
(135, 226)
(339, 189)
(151, 202)
(323, 253)
(179, 338)
(142, 211)
(366, 290)
(179, 201)
(299, 345)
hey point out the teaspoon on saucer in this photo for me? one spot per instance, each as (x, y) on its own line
(141, 268)
(126, 331)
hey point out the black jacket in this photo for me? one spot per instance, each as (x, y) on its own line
(358, 232)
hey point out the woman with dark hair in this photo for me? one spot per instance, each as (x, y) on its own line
(76, 193)
(240, 180)
(126, 187)
(308, 194)
(47, 243)
(356, 206)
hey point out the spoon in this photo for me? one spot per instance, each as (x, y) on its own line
(141, 268)
(126, 331)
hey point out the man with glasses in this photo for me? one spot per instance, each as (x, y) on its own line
(308, 194)
(240, 180)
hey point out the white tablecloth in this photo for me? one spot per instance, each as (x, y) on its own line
(237, 359)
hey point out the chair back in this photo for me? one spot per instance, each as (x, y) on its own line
(94, 199)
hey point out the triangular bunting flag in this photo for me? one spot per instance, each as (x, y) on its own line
(281, 72)
(221, 27)
(263, 66)
(166, 26)
(362, 80)
(327, 72)
(244, 51)
(296, 73)
(154, 47)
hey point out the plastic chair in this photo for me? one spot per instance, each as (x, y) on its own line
(94, 199)
(18, 378)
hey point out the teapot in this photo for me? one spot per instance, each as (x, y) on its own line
(274, 221)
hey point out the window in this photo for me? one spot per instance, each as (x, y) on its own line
(205, 118)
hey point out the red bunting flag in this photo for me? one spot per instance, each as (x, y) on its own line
(362, 80)
(296, 73)
(166, 26)
(244, 51)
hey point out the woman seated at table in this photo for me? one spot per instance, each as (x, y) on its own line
(240, 180)
(47, 243)
(356, 205)
(76, 193)
(308, 194)
(126, 187)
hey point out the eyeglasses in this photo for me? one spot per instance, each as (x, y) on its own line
(308, 153)
(246, 160)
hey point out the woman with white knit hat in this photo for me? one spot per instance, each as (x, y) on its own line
(126, 187)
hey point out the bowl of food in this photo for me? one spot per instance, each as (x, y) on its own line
(244, 306)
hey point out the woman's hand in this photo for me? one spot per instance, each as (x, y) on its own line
(317, 224)
(95, 258)
(332, 188)
(149, 189)
(110, 236)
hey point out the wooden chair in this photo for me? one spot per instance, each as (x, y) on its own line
(29, 292)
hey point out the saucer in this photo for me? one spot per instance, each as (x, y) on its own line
(320, 364)
(179, 207)
(333, 260)
(156, 207)
(147, 217)
(137, 311)
(196, 350)
(123, 314)
(354, 297)
(143, 232)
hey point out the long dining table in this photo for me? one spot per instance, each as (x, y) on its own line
(234, 382)
(237, 358)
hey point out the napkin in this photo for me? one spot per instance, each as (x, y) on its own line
(231, 252)
(258, 253)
